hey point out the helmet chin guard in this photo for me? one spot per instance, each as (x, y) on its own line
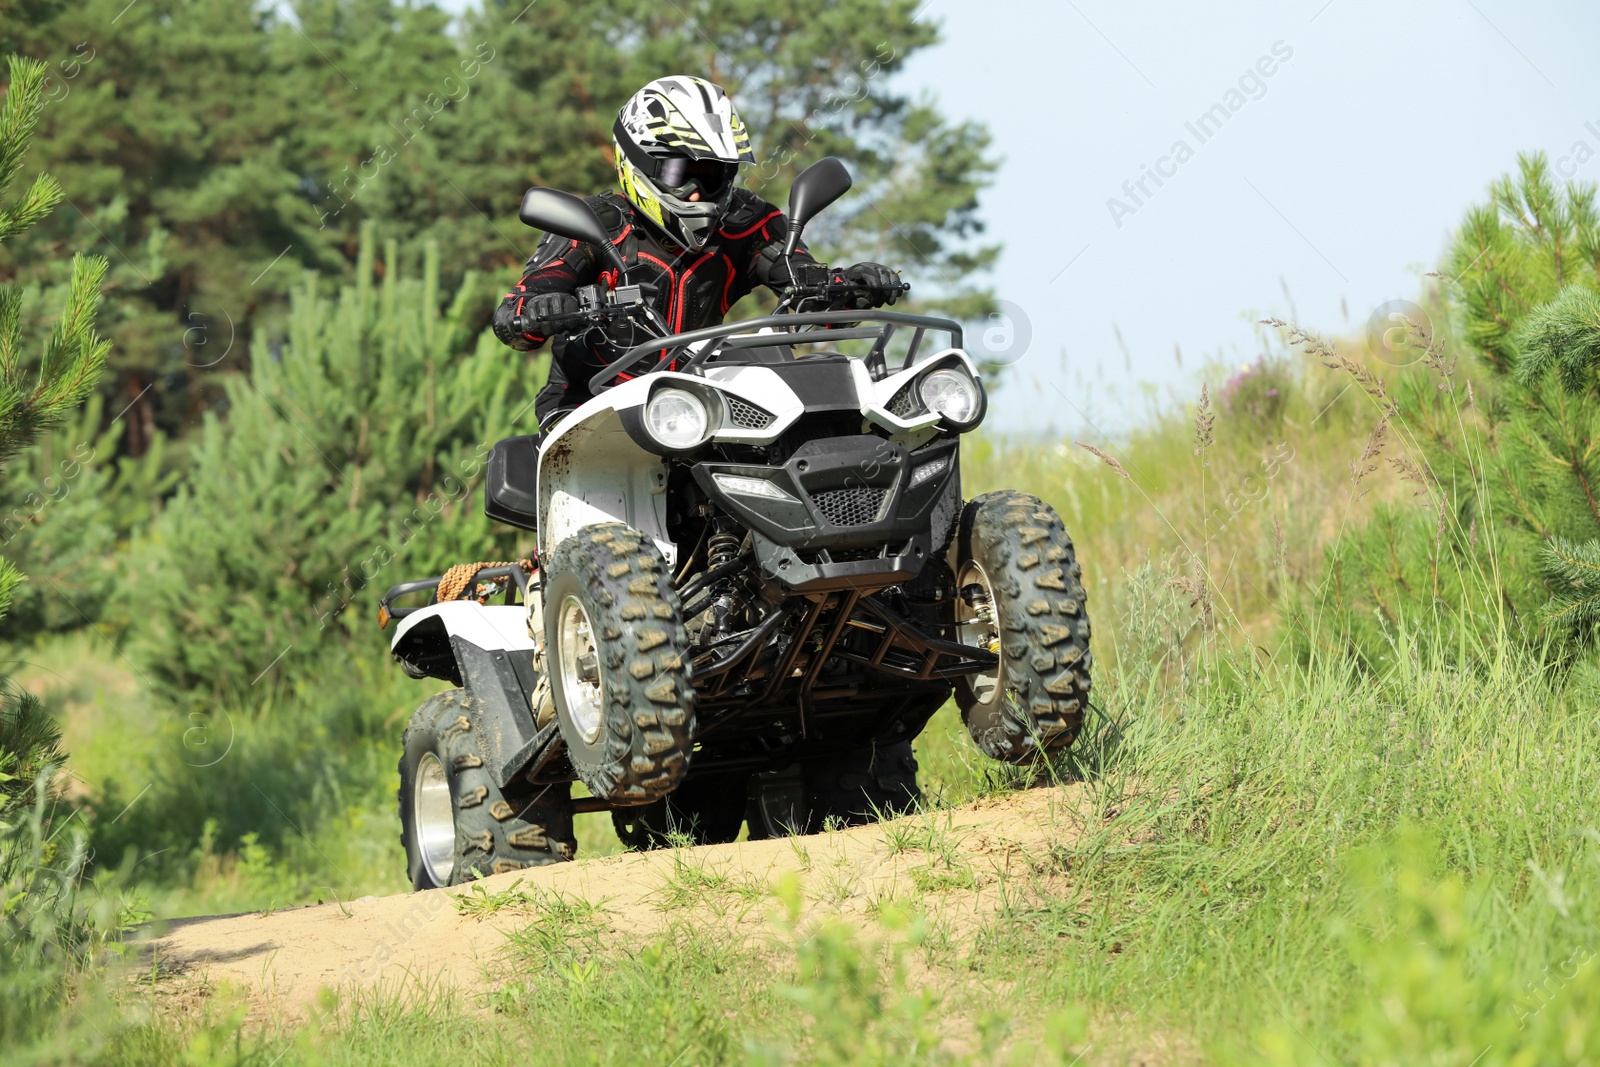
(675, 119)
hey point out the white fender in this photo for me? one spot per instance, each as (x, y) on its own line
(591, 471)
(494, 626)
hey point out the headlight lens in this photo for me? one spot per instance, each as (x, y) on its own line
(676, 418)
(950, 394)
(734, 483)
(928, 470)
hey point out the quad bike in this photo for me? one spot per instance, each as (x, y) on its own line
(756, 580)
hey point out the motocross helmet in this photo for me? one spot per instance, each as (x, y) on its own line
(676, 137)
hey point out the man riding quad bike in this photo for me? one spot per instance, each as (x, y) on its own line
(756, 576)
(692, 241)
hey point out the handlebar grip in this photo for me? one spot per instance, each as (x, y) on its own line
(559, 324)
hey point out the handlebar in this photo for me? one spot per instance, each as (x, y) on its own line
(598, 306)
(789, 334)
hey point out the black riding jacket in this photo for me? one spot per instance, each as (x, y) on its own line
(688, 289)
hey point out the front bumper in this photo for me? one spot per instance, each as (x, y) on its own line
(844, 512)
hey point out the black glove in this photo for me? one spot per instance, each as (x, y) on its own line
(542, 311)
(879, 284)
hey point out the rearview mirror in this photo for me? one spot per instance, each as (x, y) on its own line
(818, 185)
(567, 216)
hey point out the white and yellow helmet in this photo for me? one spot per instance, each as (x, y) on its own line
(679, 146)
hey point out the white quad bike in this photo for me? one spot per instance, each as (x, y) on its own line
(756, 581)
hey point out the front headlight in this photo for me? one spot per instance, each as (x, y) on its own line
(676, 418)
(735, 483)
(950, 394)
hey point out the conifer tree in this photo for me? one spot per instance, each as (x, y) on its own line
(34, 394)
(1504, 449)
(37, 920)
(351, 459)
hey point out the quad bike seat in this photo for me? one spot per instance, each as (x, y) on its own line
(511, 482)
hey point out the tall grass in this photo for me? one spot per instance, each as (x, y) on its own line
(1254, 508)
(1279, 847)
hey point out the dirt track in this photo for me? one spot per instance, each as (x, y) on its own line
(283, 958)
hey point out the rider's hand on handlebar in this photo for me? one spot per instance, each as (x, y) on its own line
(544, 313)
(878, 285)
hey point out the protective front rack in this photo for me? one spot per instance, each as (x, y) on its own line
(804, 328)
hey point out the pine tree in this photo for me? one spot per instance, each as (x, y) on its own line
(69, 508)
(350, 459)
(1504, 449)
(35, 395)
(39, 923)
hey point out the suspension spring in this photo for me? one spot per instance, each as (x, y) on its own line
(722, 548)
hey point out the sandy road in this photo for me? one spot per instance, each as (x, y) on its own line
(951, 863)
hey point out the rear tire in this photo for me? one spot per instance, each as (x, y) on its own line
(1030, 608)
(707, 809)
(614, 640)
(455, 823)
(873, 782)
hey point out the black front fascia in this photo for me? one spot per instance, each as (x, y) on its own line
(841, 492)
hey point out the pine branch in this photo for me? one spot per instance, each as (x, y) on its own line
(1574, 572)
(19, 113)
(10, 330)
(40, 199)
(74, 353)
(1564, 335)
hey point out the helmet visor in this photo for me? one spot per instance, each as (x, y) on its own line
(680, 176)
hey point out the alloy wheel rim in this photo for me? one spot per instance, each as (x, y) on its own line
(434, 818)
(581, 687)
(977, 625)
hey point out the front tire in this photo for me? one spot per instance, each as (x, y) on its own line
(455, 823)
(1022, 596)
(614, 640)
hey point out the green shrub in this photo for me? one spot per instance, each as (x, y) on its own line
(1254, 399)
(68, 510)
(349, 459)
(1494, 434)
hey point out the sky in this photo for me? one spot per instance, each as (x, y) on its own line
(1357, 133)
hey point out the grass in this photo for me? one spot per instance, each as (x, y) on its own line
(1284, 865)
(1281, 861)
(478, 903)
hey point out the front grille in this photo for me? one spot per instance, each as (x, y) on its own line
(748, 415)
(904, 404)
(850, 507)
(814, 556)
(854, 555)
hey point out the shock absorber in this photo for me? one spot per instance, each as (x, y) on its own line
(721, 549)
